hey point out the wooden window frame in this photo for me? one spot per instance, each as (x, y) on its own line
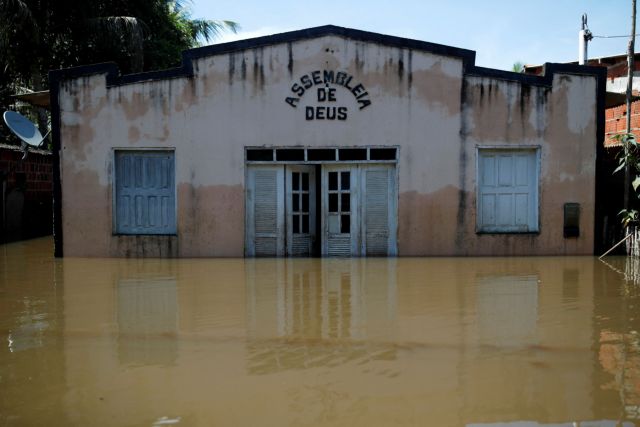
(336, 160)
(114, 212)
(535, 150)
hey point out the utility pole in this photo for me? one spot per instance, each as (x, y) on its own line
(630, 69)
(584, 37)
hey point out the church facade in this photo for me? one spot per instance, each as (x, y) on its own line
(326, 142)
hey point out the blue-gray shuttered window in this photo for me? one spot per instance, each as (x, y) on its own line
(508, 191)
(145, 200)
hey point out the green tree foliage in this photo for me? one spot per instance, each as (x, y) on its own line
(518, 67)
(139, 35)
(629, 156)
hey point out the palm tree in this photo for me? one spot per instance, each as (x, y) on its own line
(139, 35)
(39, 35)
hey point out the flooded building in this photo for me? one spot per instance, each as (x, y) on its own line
(326, 141)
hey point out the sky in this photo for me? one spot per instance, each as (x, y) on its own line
(501, 32)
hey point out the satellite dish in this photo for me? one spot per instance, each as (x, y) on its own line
(24, 129)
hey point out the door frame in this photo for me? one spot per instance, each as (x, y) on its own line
(354, 189)
(250, 229)
(323, 158)
(311, 170)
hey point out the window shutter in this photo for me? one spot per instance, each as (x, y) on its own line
(507, 191)
(145, 192)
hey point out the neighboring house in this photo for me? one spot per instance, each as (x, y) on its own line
(25, 193)
(616, 109)
(326, 141)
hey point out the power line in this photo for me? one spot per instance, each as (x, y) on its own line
(612, 37)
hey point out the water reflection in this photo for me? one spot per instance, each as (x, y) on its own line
(312, 313)
(30, 327)
(446, 342)
(147, 313)
(507, 309)
(618, 323)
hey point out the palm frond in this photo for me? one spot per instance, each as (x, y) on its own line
(210, 29)
(15, 14)
(15, 10)
(128, 28)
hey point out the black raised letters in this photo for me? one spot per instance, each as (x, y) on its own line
(325, 113)
(316, 77)
(306, 81)
(308, 113)
(328, 93)
(297, 89)
(364, 103)
(328, 76)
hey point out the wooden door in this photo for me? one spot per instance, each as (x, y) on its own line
(265, 223)
(340, 211)
(301, 210)
(379, 210)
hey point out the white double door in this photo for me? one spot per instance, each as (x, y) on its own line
(355, 216)
(359, 210)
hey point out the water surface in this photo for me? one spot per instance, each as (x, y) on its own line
(309, 342)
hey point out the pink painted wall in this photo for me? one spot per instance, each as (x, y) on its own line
(421, 102)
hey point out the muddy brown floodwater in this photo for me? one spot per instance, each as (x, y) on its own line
(311, 342)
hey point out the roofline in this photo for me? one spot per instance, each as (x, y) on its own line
(186, 67)
(188, 56)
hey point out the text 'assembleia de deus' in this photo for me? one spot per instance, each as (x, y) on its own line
(326, 93)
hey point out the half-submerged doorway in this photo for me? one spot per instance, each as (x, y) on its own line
(309, 208)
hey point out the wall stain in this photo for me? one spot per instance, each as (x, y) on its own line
(232, 67)
(410, 71)
(462, 159)
(134, 134)
(187, 97)
(506, 99)
(258, 70)
(145, 246)
(243, 68)
(209, 214)
(290, 59)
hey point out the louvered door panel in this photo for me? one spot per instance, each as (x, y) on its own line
(379, 210)
(376, 211)
(339, 246)
(265, 212)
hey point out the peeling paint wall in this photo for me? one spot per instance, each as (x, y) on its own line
(560, 121)
(421, 102)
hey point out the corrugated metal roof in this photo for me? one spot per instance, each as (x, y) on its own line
(39, 99)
